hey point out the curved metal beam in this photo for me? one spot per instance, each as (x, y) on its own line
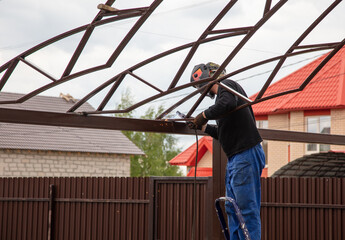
(143, 14)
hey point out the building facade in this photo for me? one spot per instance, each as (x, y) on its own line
(51, 151)
(318, 108)
(204, 162)
(279, 153)
(37, 163)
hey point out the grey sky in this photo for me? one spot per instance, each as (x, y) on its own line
(26, 23)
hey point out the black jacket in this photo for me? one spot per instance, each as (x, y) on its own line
(237, 131)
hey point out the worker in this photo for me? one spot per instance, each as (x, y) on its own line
(240, 140)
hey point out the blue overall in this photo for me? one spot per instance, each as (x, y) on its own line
(242, 183)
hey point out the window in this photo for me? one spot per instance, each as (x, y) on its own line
(263, 124)
(318, 124)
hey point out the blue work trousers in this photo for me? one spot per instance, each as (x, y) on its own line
(242, 183)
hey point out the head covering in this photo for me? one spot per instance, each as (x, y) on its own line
(202, 71)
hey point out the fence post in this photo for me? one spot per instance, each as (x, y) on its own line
(152, 207)
(218, 182)
(51, 212)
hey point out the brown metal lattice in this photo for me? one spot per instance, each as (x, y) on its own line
(210, 34)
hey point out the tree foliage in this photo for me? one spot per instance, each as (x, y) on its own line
(159, 148)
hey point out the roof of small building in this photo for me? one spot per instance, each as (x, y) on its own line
(187, 157)
(325, 91)
(325, 164)
(55, 138)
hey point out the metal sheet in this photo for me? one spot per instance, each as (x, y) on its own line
(292, 208)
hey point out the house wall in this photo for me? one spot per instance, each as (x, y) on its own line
(338, 126)
(277, 151)
(206, 160)
(29, 163)
(280, 153)
(297, 124)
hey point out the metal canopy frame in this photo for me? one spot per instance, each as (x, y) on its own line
(146, 125)
(77, 119)
(95, 120)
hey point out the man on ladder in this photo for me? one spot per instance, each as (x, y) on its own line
(240, 140)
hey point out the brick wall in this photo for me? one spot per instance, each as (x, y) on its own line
(338, 126)
(277, 151)
(297, 124)
(206, 160)
(28, 163)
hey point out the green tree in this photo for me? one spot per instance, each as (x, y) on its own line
(159, 148)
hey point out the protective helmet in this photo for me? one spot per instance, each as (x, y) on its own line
(202, 71)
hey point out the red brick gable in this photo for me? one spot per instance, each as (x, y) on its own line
(325, 91)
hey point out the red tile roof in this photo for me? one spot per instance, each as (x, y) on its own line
(200, 172)
(187, 157)
(264, 173)
(325, 91)
(207, 172)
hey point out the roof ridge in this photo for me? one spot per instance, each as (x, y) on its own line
(341, 93)
(41, 103)
(314, 80)
(290, 74)
(288, 97)
(23, 94)
(332, 89)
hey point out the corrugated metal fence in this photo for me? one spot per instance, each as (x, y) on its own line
(161, 208)
(303, 208)
(99, 208)
(74, 208)
(174, 204)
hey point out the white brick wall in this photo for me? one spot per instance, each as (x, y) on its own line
(297, 124)
(338, 126)
(206, 160)
(277, 151)
(28, 163)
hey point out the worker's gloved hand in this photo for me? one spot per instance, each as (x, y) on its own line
(191, 125)
(198, 122)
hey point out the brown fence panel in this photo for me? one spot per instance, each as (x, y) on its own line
(83, 208)
(175, 206)
(303, 208)
(161, 208)
(101, 208)
(23, 208)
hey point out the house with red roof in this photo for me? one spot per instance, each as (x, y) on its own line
(319, 108)
(204, 161)
(205, 156)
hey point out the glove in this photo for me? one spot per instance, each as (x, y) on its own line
(191, 125)
(198, 122)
